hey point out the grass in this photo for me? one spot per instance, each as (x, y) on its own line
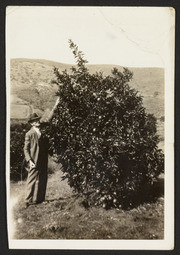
(63, 216)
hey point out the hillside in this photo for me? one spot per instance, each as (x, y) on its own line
(32, 90)
(31, 81)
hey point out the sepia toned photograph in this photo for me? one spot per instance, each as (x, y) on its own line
(90, 99)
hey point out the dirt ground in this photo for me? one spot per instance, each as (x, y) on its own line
(64, 216)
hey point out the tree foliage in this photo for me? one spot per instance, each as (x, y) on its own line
(17, 134)
(103, 135)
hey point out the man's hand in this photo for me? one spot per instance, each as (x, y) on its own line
(31, 164)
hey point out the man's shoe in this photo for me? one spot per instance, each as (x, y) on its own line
(44, 202)
(26, 205)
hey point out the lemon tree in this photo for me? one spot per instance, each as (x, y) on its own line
(103, 135)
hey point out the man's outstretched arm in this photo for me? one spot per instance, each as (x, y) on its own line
(49, 116)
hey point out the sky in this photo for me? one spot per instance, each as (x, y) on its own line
(128, 36)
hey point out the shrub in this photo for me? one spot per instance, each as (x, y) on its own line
(162, 118)
(17, 135)
(103, 135)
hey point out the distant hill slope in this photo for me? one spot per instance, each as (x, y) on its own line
(31, 82)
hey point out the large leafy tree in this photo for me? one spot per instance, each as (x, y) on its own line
(103, 135)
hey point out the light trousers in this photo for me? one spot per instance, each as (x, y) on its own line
(36, 185)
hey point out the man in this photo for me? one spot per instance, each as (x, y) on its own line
(36, 149)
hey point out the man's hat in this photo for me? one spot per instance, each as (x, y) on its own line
(33, 117)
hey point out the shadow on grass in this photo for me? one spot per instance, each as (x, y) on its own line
(62, 198)
(152, 193)
(147, 194)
